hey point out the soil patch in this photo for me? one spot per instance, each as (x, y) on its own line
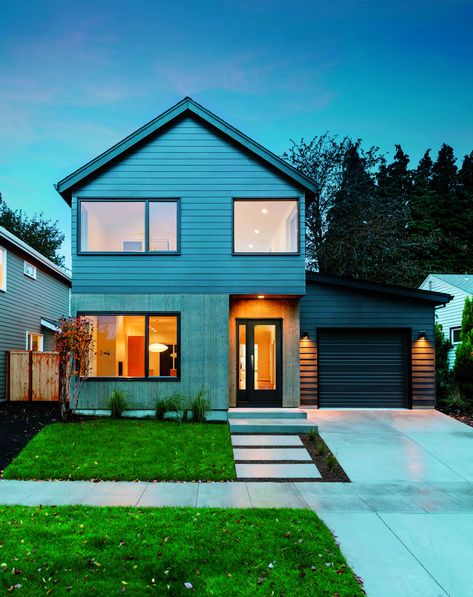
(463, 417)
(20, 422)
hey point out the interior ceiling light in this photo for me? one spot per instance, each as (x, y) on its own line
(157, 347)
(260, 296)
(250, 246)
(256, 231)
(264, 210)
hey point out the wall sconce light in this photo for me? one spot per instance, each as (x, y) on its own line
(422, 334)
(305, 336)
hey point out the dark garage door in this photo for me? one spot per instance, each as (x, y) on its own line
(362, 369)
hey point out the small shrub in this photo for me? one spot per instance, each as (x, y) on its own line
(199, 407)
(455, 401)
(320, 449)
(312, 435)
(117, 403)
(171, 404)
(330, 462)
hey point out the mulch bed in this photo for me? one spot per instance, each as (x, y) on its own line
(20, 422)
(466, 418)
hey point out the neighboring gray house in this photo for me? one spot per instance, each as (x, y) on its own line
(188, 255)
(450, 315)
(34, 294)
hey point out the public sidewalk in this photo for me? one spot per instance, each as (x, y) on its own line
(406, 539)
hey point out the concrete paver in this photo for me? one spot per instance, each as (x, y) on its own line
(268, 454)
(266, 440)
(275, 495)
(277, 471)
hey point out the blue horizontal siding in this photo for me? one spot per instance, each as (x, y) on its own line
(205, 171)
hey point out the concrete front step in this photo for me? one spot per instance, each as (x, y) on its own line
(271, 425)
(266, 413)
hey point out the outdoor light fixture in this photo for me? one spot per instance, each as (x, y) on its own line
(305, 335)
(157, 347)
(422, 335)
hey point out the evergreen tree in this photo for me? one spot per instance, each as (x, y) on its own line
(354, 235)
(322, 160)
(463, 368)
(38, 232)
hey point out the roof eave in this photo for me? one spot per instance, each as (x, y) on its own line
(437, 298)
(64, 187)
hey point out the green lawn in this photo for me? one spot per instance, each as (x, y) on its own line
(107, 551)
(127, 450)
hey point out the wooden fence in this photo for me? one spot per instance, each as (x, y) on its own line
(33, 376)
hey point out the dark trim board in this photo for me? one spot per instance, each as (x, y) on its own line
(426, 295)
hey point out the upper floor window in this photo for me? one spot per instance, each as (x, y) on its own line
(3, 269)
(455, 335)
(265, 226)
(117, 226)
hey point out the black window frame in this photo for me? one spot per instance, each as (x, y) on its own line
(453, 329)
(267, 254)
(146, 201)
(146, 315)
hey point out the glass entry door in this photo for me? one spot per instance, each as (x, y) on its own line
(259, 360)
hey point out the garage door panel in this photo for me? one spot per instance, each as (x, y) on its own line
(362, 368)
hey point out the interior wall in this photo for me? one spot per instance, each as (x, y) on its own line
(288, 311)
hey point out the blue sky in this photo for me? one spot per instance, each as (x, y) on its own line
(76, 77)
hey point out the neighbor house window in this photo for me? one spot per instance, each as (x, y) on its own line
(135, 346)
(34, 341)
(118, 226)
(455, 335)
(3, 269)
(29, 270)
(266, 226)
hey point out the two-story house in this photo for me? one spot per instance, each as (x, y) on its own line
(34, 295)
(188, 256)
(449, 316)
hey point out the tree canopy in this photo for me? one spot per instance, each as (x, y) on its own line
(385, 220)
(38, 232)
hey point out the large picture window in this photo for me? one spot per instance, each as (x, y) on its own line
(266, 226)
(117, 226)
(135, 345)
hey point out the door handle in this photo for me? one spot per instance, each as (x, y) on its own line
(252, 364)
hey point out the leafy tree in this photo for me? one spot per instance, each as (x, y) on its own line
(38, 232)
(443, 375)
(463, 368)
(74, 342)
(322, 160)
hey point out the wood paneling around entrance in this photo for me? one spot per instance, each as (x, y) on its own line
(288, 311)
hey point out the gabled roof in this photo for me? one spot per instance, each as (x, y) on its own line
(462, 281)
(187, 105)
(425, 295)
(11, 242)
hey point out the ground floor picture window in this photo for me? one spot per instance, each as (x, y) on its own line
(135, 345)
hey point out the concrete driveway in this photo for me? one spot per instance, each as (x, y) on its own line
(405, 523)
